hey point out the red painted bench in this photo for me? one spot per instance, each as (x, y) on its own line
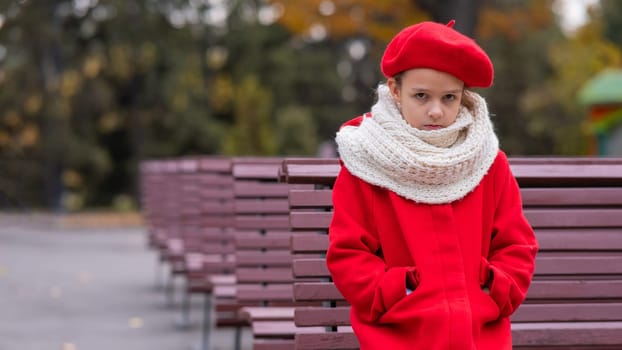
(263, 276)
(575, 302)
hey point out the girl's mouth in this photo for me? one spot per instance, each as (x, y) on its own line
(432, 127)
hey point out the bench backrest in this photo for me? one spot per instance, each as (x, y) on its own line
(263, 260)
(575, 207)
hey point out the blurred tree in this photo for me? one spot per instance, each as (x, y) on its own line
(298, 69)
(517, 36)
(611, 15)
(549, 67)
(341, 43)
(295, 132)
(464, 12)
(89, 88)
(252, 133)
(377, 20)
(574, 61)
(94, 87)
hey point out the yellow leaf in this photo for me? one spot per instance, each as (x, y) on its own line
(72, 178)
(12, 119)
(135, 322)
(33, 104)
(29, 136)
(109, 122)
(5, 138)
(70, 83)
(69, 346)
(92, 66)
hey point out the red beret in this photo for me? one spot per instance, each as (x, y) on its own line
(440, 47)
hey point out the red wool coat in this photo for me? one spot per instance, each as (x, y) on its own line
(378, 240)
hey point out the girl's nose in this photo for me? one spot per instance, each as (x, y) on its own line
(435, 111)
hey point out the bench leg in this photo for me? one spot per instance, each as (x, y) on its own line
(207, 321)
(158, 274)
(238, 338)
(184, 317)
(170, 289)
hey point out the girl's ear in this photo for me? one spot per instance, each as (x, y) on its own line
(394, 88)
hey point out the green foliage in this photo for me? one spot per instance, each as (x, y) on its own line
(611, 12)
(91, 88)
(88, 89)
(516, 35)
(252, 133)
(553, 107)
(296, 134)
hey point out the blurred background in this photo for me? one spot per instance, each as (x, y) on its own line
(90, 88)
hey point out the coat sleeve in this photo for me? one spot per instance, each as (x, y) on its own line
(511, 259)
(359, 273)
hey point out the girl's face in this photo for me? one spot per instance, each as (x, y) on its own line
(428, 99)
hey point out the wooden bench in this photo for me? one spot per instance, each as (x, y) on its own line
(188, 206)
(208, 250)
(260, 242)
(162, 193)
(575, 301)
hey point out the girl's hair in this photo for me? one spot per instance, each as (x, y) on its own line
(467, 100)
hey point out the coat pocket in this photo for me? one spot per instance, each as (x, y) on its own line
(490, 308)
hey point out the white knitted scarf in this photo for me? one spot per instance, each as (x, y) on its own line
(434, 167)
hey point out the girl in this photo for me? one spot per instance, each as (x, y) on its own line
(428, 240)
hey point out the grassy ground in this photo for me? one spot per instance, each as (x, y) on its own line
(100, 219)
(82, 220)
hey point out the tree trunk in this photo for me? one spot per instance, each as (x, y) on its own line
(465, 12)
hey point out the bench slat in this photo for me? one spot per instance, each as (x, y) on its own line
(577, 265)
(309, 243)
(254, 292)
(574, 217)
(280, 329)
(215, 164)
(257, 313)
(558, 218)
(273, 344)
(531, 197)
(575, 289)
(323, 174)
(570, 312)
(259, 206)
(549, 239)
(216, 193)
(311, 198)
(539, 290)
(545, 265)
(305, 267)
(209, 207)
(322, 316)
(572, 196)
(568, 174)
(255, 258)
(256, 168)
(564, 334)
(580, 239)
(309, 220)
(261, 189)
(259, 275)
(537, 335)
(274, 240)
(262, 222)
(218, 221)
(345, 340)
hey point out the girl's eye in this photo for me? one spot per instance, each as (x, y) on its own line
(420, 95)
(450, 97)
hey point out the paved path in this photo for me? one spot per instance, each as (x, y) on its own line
(86, 289)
